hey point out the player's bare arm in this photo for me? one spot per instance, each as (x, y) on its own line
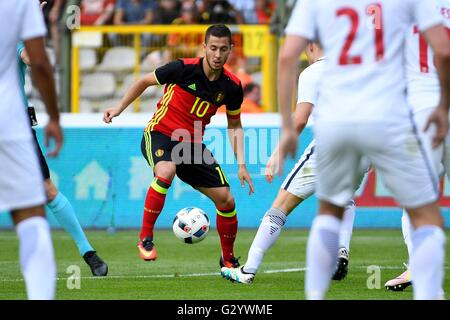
(236, 136)
(276, 163)
(287, 78)
(438, 38)
(43, 77)
(23, 53)
(132, 94)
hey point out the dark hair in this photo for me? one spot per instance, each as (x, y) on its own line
(219, 31)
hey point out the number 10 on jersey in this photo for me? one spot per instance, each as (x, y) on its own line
(200, 109)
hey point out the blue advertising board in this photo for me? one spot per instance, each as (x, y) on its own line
(102, 172)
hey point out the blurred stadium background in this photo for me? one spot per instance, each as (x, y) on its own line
(98, 48)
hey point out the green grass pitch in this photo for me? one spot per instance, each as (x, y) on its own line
(185, 271)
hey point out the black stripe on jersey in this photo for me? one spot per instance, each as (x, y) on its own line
(298, 168)
(424, 155)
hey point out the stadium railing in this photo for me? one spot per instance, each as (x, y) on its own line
(107, 59)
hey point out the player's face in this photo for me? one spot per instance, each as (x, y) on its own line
(217, 51)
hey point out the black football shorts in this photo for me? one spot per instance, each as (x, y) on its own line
(195, 163)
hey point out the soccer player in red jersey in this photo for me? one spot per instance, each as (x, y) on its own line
(172, 141)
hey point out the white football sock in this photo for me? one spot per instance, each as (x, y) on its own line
(321, 255)
(427, 262)
(268, 232)
(407, 230)
(36, 258)
(345, 233)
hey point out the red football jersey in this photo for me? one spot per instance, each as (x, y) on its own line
(190, 99)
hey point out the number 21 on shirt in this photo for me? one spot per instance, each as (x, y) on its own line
(375, 11)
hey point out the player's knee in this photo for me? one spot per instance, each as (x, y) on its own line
(225, 201)
(22, 214)
(165, 170)
(428, 214)
(286, 201)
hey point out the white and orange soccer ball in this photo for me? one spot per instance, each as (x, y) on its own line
(191, 225)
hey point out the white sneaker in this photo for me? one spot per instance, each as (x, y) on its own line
(237, 275)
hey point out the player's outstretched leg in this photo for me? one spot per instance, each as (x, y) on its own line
(154, 203)
(64, 213)
(403, 281)
(268, 233)
(345, 235)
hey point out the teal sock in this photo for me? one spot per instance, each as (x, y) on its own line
(64, 213)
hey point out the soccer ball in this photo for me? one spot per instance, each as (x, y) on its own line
(191, 225)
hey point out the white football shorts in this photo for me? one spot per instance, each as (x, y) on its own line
(301, 181)
(21, 181)
(396, 150)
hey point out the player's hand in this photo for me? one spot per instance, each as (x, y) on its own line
(439, 117)
(274, 166)
(53, 131)
(43, 3)
(110, 113)
(243, 175)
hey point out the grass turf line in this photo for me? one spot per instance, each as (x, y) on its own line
(171, 277)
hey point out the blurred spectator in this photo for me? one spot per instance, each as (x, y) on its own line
(247, 10)
(187, 44)
(97, 12)
(54, 16)
(252, 99)
(264, 10)
(188, 13)
(220, 11)
(167, 11)
(134, 12)
(237, 64)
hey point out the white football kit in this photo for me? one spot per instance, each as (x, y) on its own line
(423, 84)
(21, 181)
(301, 180)
(362, 108)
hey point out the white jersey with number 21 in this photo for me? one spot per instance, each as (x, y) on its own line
(364, 43)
